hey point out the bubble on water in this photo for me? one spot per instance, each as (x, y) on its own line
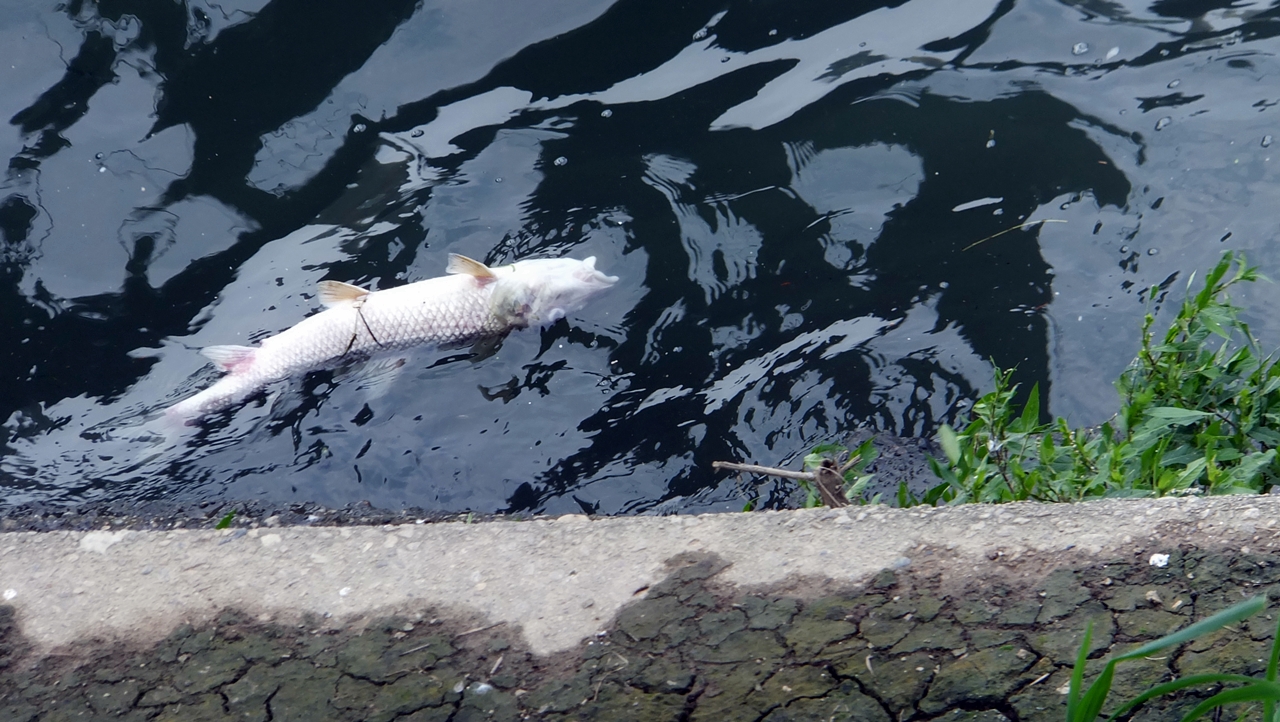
(359, 128)
(1112, 53)
(1153, 251)
(1266, 141)
(417, 133)
(1174, 83)
(606, 113)
(991, 143)
(102, 169)
(1079, 48)
(1163, 123)
(1124, 249)
(498, 179)
(561, 160)
(701, 34)
(97, 156)
(773, 32)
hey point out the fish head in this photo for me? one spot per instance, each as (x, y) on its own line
(545, 290)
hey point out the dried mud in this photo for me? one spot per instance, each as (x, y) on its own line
(919, 643)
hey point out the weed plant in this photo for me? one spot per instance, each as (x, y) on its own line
(1199, 412)
(850, 465)
(1200, 409)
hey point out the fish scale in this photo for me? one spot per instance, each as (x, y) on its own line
(474, 303)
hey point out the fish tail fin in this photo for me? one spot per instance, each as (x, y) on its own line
(232, 359)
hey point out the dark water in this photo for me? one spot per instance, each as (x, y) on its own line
(800, 198)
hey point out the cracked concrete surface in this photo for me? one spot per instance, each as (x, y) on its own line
(558, 580)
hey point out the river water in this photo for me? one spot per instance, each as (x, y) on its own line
(826, 217)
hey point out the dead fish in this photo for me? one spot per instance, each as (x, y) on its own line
(473, 303)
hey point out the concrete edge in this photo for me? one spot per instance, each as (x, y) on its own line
(558, 580)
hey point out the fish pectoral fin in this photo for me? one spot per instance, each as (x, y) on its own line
(336, 293)
(377, 377)
(230, 358)
(470, 266)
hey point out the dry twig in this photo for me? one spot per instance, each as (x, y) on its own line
(828, 479)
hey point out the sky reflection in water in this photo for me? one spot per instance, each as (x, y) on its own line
(791, 194)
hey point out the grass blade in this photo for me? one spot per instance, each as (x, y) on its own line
(1176, 685)
(1259, 690)
(1269, 709)
(1077, 676)
(1091, 704)
(1231, 615)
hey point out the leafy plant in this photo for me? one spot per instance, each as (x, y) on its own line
(849, 466)
(1087, 706)
(1199, 412)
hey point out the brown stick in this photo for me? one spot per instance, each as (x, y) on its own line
(771, 471)
(830, 487)
(829, 483)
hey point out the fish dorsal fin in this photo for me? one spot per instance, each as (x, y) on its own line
(334, 293)
(461, 264)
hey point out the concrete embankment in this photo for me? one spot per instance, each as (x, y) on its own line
(866, 613)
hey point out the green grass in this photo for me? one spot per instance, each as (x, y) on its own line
(1199, 409)
(1086, 705)
(1199, 413)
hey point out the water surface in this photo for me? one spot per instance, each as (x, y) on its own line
(826, 217)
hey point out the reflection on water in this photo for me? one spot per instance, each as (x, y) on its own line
(824, 218)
